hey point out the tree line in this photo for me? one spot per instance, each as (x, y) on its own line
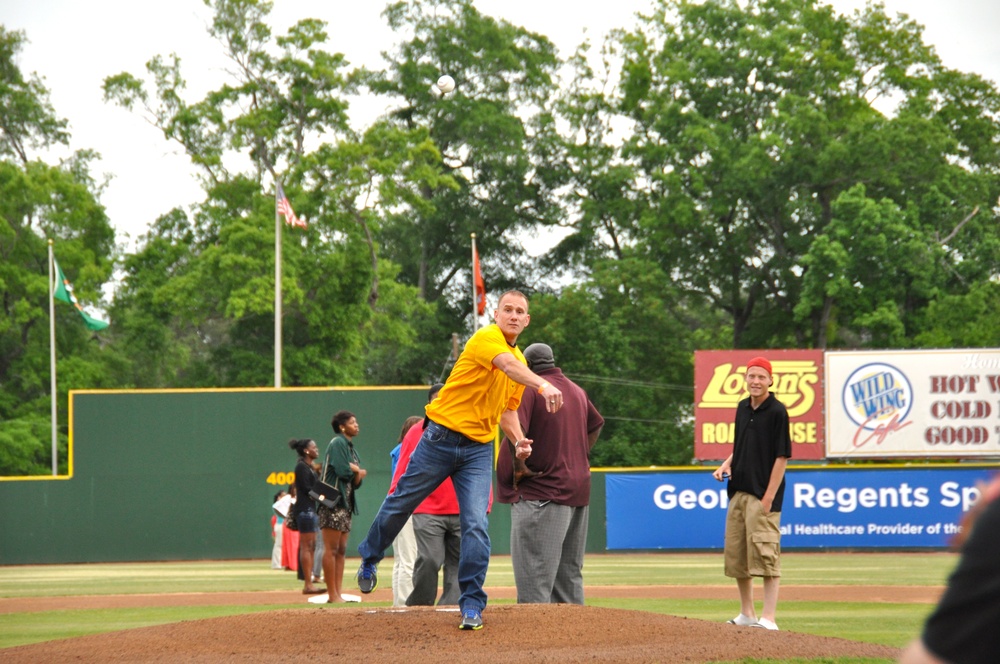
(759, 174)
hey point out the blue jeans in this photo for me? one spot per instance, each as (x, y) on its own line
(307, 521)
(443, 453)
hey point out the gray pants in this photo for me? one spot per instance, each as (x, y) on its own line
(547, 542)
(318, 556)
(439, 543)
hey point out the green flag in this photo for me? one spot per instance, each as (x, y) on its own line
(64, 292)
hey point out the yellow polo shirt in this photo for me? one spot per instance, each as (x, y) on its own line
(477, 393)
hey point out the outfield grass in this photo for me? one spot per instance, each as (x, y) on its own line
(797, 568)
(896, 624)
(907, 569)
(143, 578)
(24, 628)
(889, 624)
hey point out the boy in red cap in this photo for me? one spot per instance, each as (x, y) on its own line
(756, 472)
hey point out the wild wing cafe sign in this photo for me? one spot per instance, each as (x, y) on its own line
(933, 403)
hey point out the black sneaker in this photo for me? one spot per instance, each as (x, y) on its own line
(471, 619)
(367, 577)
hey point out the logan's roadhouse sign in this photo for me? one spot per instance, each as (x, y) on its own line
(720, 384)
(928, 403)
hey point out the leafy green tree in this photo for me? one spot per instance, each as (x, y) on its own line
(26, 118)
(752, 119)
(867, 264)
(758, 177)
(602, 206)
(969, 320)
(616, 336)
(283, 114)
(489, 131)
(39, 202)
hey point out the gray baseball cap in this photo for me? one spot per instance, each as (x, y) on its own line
(539, 357)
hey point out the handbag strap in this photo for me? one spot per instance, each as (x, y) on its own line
(326, 464)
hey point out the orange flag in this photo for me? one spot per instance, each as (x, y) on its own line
(480, 285)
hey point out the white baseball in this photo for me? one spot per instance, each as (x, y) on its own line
(446, 84)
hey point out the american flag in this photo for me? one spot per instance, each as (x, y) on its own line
(285, 208)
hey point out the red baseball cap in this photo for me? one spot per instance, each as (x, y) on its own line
(760, 362)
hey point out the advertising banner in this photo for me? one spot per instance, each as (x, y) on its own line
(927, 403)
(875, 507)
(719, 384)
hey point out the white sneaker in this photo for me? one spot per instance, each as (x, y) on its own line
(766, 624)
(742, 620)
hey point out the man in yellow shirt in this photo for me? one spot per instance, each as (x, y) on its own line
(483, 391)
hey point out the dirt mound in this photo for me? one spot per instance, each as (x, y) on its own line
(513, 633)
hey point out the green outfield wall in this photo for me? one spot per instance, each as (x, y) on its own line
(191, 475)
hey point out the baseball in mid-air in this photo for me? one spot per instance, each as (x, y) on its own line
(446, 84)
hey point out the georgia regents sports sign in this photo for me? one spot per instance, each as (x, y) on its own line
(931, 403)
(825, 507)
(720, 384)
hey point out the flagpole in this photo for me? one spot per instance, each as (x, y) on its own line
(52, 363)
(475, 306)
(277, 288)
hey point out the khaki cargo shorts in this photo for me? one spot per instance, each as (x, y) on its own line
(753, 539)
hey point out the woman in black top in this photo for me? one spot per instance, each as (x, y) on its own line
(305, 509)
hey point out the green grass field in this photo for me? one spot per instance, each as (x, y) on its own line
(885, 623)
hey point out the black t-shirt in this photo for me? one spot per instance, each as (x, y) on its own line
(965, 626)
(305, 478)
(761, 437)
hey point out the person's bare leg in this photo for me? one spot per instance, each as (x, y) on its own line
(330, 536)
(770, 607)
(306, 544)
(746, 597)
(339, 556)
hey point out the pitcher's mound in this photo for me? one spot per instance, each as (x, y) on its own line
(512, 633)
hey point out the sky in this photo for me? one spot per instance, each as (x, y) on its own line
(74, 45)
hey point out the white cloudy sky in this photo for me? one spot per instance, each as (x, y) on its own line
(74, 45)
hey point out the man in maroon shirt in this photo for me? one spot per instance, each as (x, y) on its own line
(550, 505)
